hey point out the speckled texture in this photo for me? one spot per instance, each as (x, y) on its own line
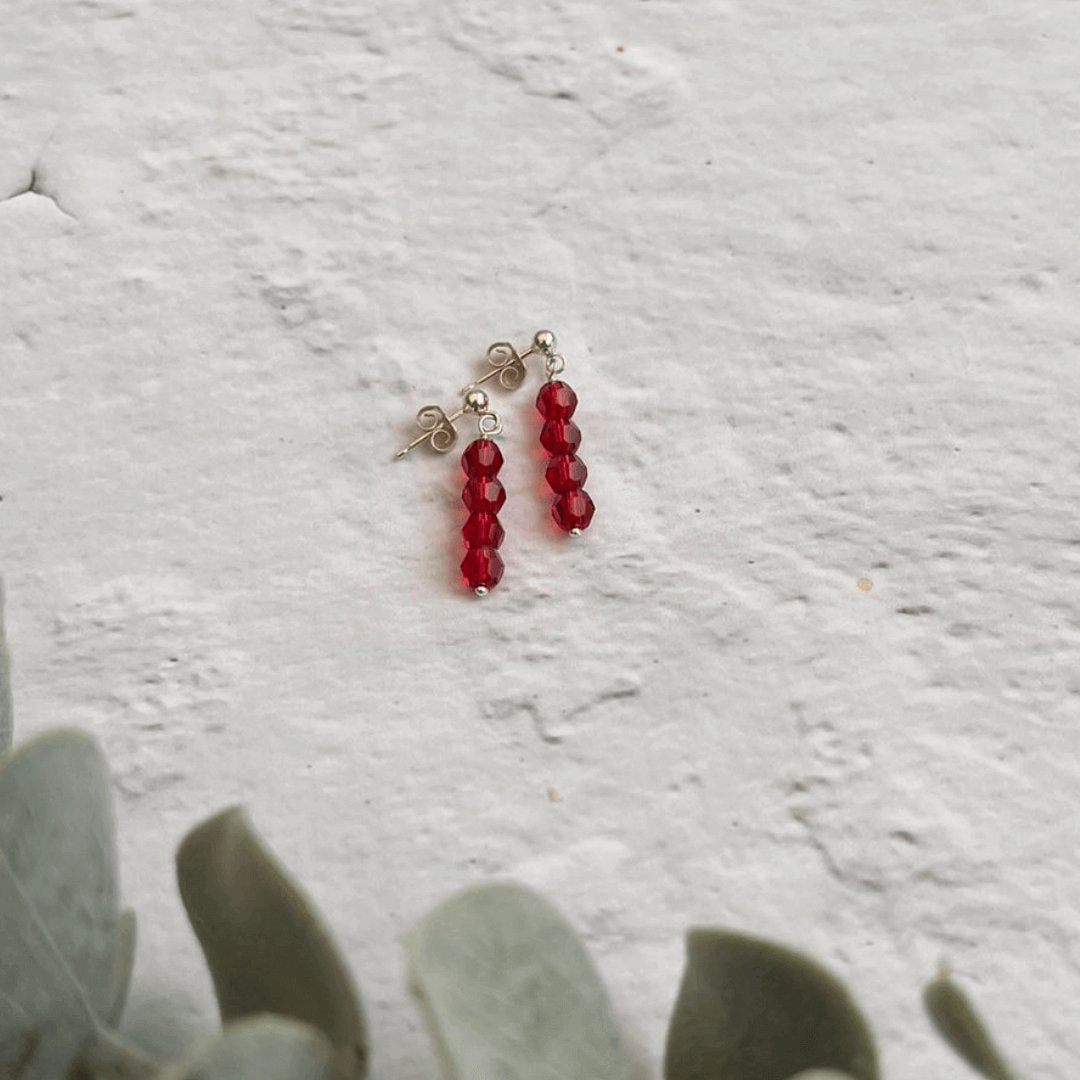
(812, 672)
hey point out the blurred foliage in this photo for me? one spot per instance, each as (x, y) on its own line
(751, 1010)
(502, 980)
(265, 943)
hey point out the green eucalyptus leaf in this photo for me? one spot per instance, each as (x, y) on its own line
(7, 715)
(109, 1058)
(263, 1048)
(266, 946)
(752, 1010)
(44, 1018)
(961, 1027)
(821, 1074)
(57, 833)
(508, 991)
(124, 962)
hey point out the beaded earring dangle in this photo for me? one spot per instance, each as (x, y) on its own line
(572, 508)
(483, 495)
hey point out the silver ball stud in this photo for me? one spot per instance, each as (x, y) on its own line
(481, 590)
(477, 401)
(575, 532)
(544, 340)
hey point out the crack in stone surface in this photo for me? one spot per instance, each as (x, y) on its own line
(554, 728)
(36, 186)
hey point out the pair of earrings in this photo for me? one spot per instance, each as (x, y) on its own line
(484, 495)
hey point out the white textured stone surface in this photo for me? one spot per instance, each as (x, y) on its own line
(815, 270)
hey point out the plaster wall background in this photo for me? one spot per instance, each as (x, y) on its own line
(812, 673)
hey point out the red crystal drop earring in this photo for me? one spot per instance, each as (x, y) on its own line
(565, 472)
(483, 495)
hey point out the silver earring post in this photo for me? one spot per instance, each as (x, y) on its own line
(508, 365)
(438, 428)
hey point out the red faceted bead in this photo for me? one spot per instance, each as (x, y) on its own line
(483, 530)
(484, 494)
(566, 473)
(556, 401)
(573, 510)
(482, 457)
(482, 568)
(560, 436)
